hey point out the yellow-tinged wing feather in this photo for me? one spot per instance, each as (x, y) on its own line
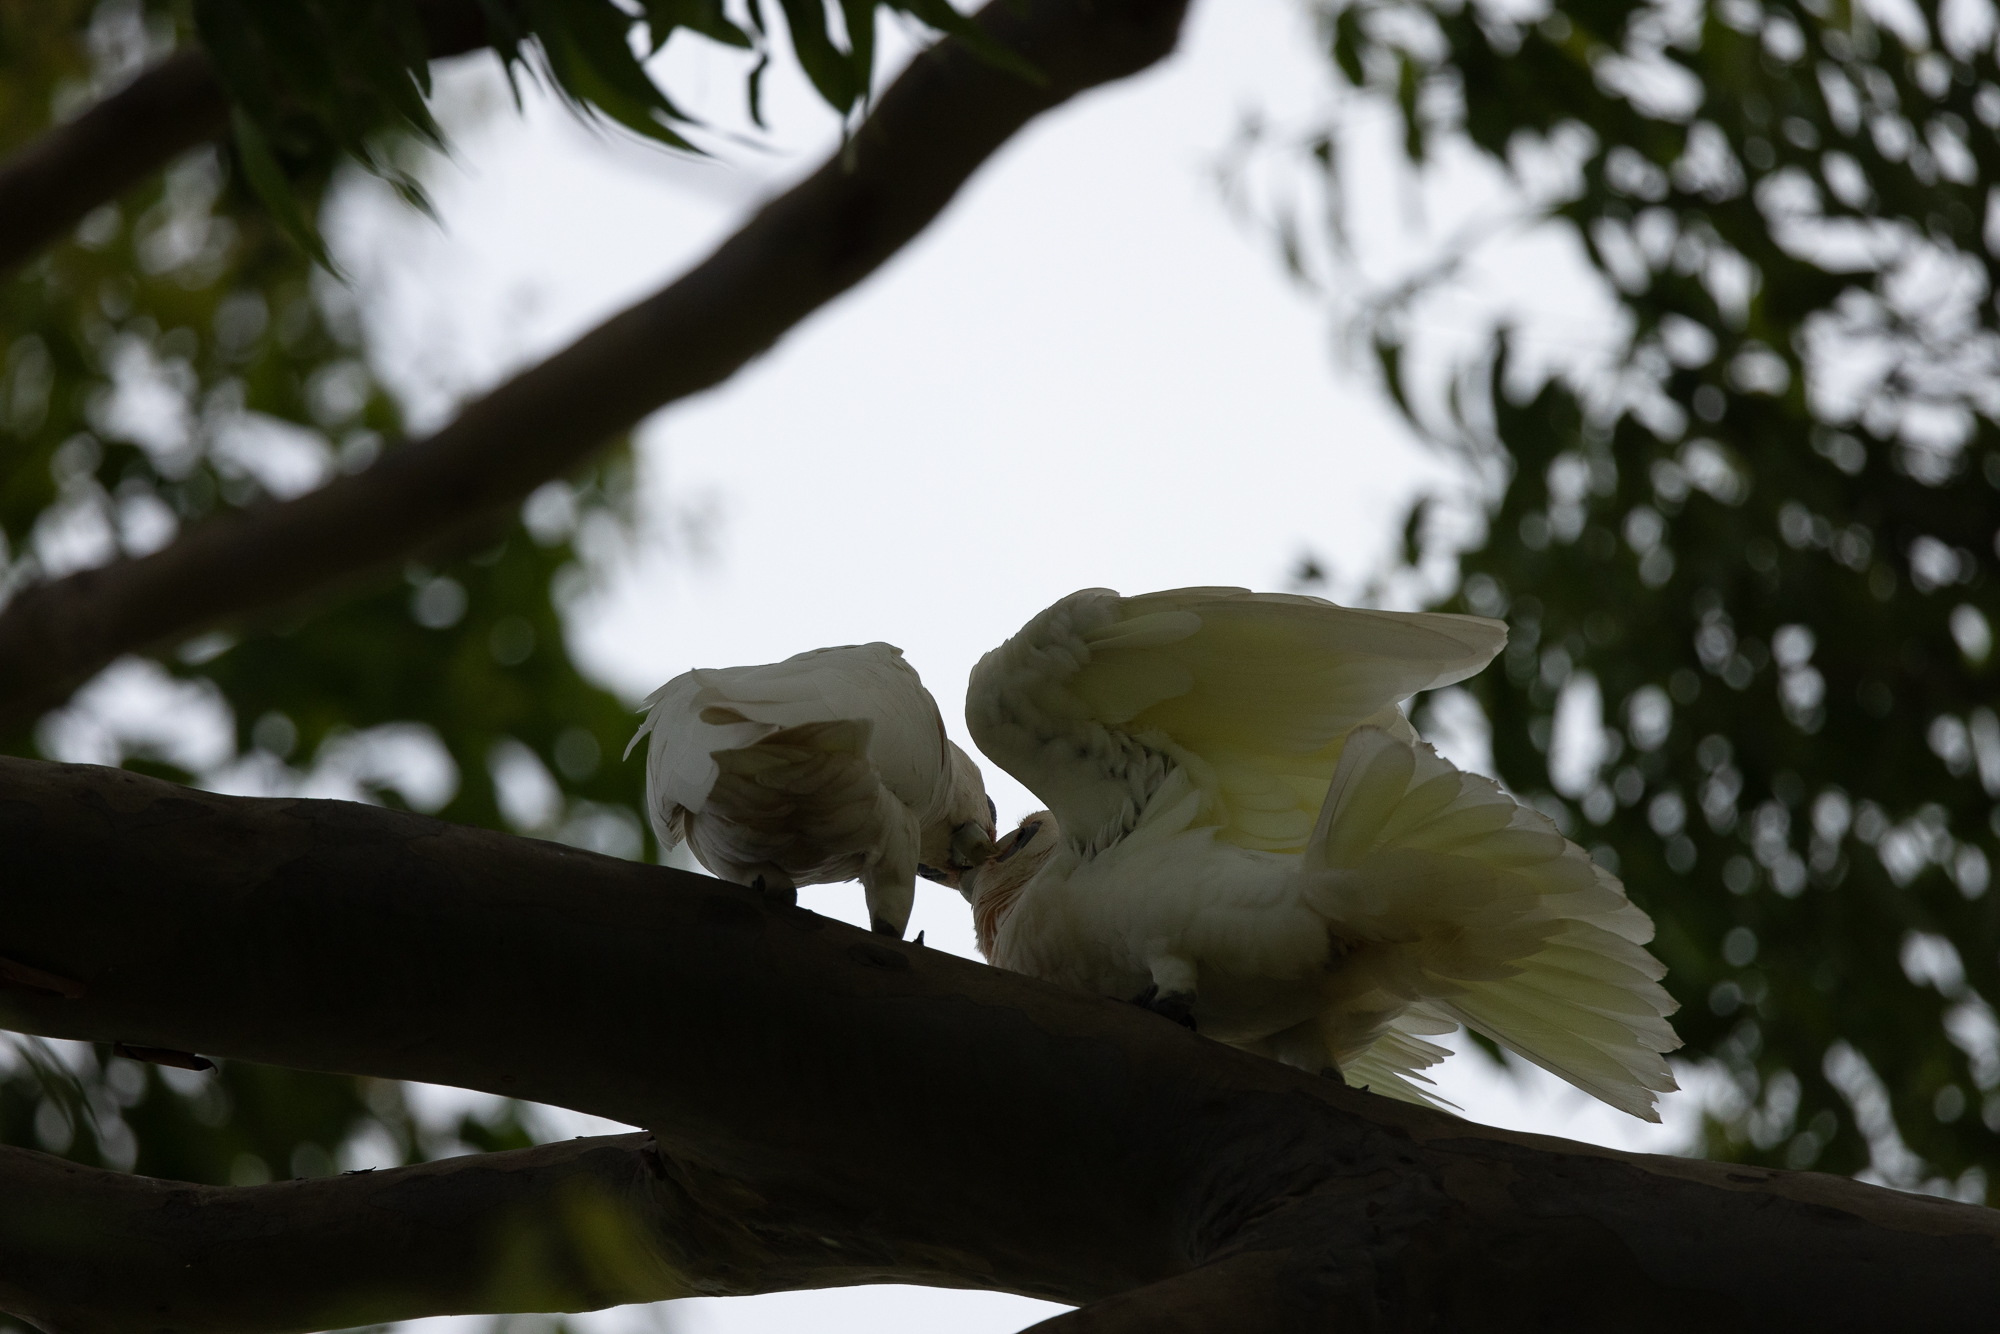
(1099, 696)
(1392, 1065)
(1511, 928)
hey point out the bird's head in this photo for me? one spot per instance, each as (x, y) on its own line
(1014, 861)
(993, 885)
(963, 838)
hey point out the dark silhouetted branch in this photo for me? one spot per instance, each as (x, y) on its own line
(572, 1226)
(47, 187)
(944, 117)
(921, 1118)
(50, 184)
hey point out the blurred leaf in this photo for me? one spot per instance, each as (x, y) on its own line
(703, 16)
(267, 178)
(316, 79)
(831, 70)
(592, 63)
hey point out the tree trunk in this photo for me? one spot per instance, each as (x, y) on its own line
(826, 1108)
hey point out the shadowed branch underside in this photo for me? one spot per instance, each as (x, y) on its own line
(826, 1108)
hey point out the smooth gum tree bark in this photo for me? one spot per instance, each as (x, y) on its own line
(824, 1108)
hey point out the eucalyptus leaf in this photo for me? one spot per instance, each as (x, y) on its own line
(267, 178)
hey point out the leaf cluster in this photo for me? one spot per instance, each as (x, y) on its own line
(321, 77)
(1763, 533)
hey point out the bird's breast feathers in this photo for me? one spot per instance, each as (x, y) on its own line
(1098, 920)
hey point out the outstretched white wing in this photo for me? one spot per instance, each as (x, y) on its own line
(709, 710)
(1445, 888)
(1100, 696)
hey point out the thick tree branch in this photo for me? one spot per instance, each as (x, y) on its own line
(928, 1118)
(944, 117)
(48, 186)
(572, 1226)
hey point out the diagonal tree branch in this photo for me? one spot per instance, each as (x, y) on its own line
(945, 116)
(47, 186)
(920, 1115)
(572, 1226)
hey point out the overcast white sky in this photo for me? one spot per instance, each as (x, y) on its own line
(1086, 373)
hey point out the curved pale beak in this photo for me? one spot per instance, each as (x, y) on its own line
(970, 845)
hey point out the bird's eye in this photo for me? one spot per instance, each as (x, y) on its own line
(1022, 837)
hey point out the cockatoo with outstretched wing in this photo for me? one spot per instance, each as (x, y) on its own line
(1244, 833)
(831, 765)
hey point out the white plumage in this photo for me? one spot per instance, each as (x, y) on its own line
(831, 765)
(1244, 830)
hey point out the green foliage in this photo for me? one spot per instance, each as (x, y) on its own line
(1766, 532)
(154, 372)
(239, 1123)
(317, 77)
(306, 78)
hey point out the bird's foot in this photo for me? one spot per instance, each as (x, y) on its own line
(919, 942)
(882, 928)
(784, 895)
(1175, 1005)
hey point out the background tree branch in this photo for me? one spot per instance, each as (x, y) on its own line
(47, 186)
(944, 117)
(927, 1115)
(571, 1226)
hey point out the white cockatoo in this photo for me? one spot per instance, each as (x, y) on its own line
(1245, 833)
(831, 765)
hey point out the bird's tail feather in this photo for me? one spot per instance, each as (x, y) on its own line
(1392, 1064)
(1475, 900)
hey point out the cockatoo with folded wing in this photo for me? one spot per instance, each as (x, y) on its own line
(831, 765)
(1244, 833)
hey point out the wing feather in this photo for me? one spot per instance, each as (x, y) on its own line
(1099, 696)
(1520, 934)
(708, 710)
(804, 798)
(1392, 1063)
